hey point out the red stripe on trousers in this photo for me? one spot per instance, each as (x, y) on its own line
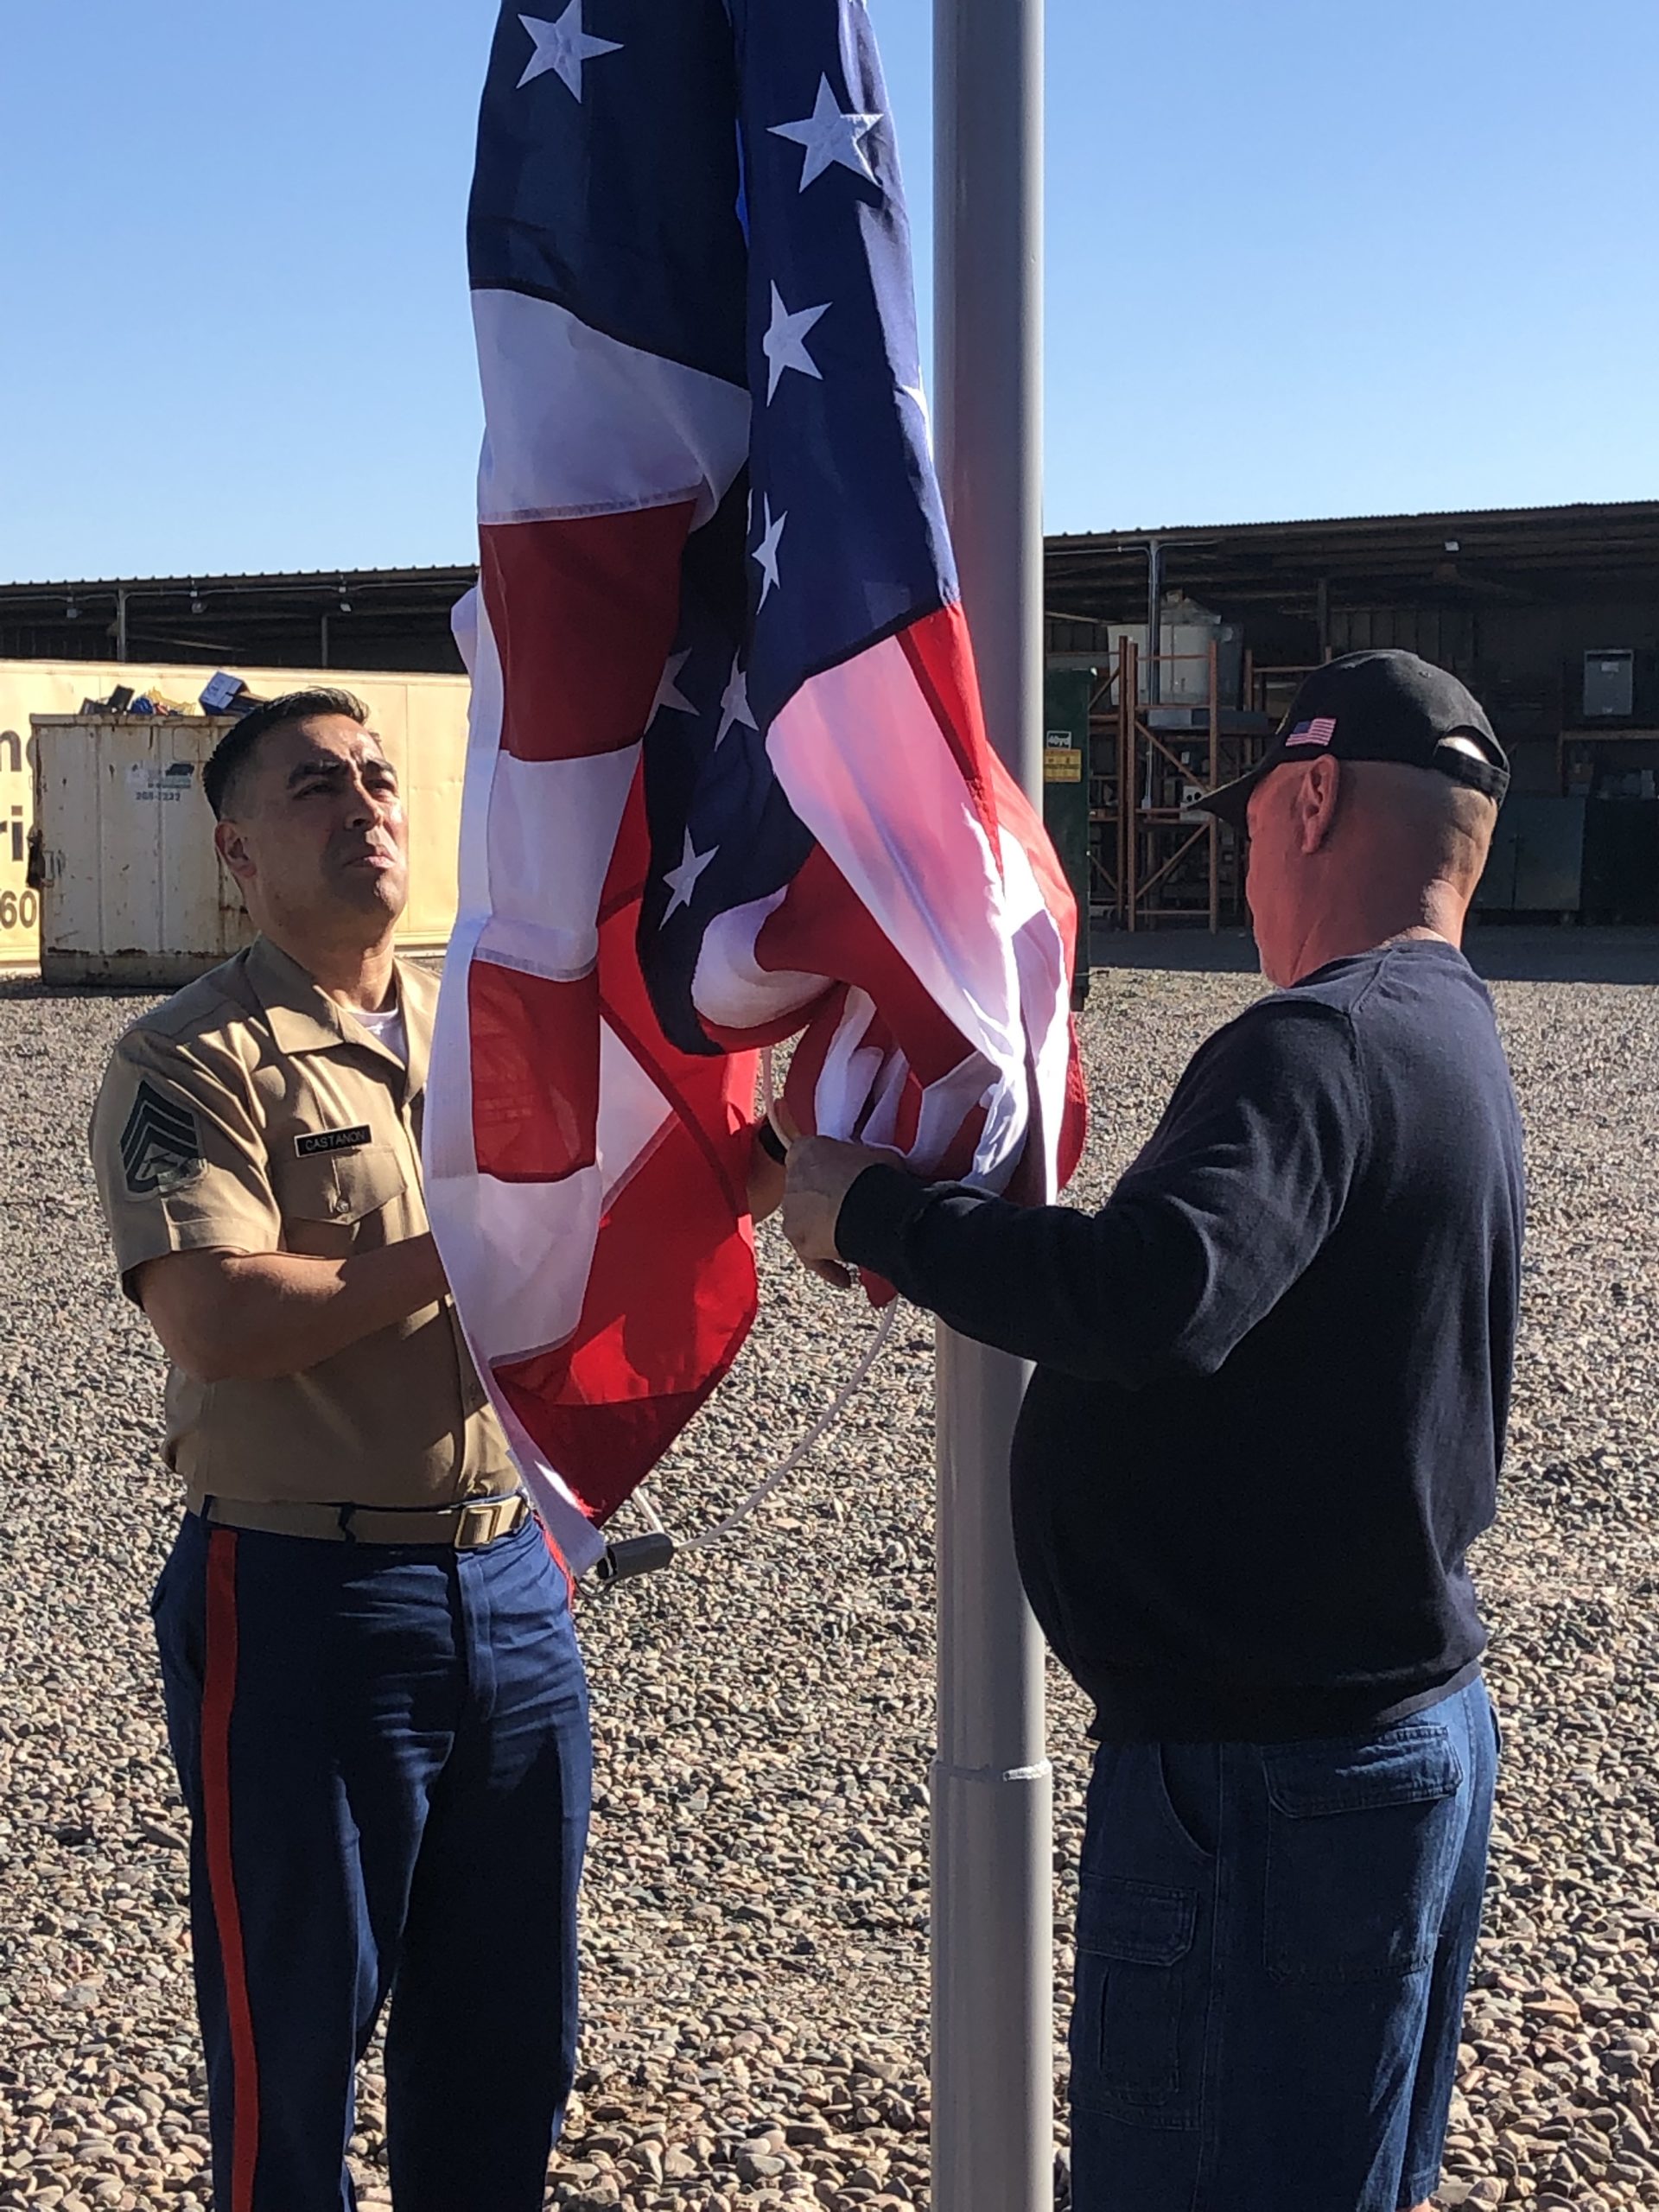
(218, 1698)
(560, 1561)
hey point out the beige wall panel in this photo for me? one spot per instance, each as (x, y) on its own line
(422, 720)
(436, 769)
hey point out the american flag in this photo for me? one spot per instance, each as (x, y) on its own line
(727, 781)
(1320, 731)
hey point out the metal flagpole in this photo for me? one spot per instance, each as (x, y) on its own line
(992, 1790)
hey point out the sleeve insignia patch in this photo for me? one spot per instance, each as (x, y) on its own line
(161, 1146)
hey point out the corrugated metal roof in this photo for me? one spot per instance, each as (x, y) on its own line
(223, 582)
(1452, 556)
(1587, 510)
(1607, 510)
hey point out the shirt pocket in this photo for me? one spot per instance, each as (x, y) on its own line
(1363, 1841)
(331, 1202)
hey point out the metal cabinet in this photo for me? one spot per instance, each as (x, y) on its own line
(1536, 864)
(1609, 683)
(1621, 860)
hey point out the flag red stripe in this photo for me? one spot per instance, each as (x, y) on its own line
(534, 1056)
(218, 1702)
(696, 1086)
(668, 1302)
(824, 928)
(690, 1103)
(1020, 819)
(941, 657)
(584, 613)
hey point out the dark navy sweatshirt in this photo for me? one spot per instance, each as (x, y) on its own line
(1273, 1371)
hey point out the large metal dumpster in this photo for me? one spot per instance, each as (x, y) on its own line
(421, 717)
(131, 888)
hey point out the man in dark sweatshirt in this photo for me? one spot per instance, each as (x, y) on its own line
(1273, 1376)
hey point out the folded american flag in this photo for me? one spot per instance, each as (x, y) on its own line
(726, 780)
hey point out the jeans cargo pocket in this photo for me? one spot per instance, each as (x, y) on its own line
(1363, 1841)
(1132, 1942)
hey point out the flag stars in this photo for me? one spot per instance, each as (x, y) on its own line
(831, 139)
(734, 701)
(784, 343)
(668, 694)
(683, 881)
(562, 46)
(766, 552)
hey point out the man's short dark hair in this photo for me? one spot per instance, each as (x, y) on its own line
(235, 750)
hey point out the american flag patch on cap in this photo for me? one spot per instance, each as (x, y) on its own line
(1320, 731)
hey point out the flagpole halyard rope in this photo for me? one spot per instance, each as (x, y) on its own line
(631, 1556)
(815, 1435)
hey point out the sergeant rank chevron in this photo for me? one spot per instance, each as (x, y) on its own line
(160, 1147)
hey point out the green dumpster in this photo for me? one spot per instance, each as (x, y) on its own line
(1066, 693)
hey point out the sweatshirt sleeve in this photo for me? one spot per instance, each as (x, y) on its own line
(1245, 1178)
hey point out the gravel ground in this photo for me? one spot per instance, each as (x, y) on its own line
(755, 1922)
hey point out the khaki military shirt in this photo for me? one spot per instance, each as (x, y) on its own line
(253, 1114)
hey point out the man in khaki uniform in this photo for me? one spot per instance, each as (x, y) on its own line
(374, 1695)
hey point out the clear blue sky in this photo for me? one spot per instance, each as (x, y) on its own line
(1307, 258)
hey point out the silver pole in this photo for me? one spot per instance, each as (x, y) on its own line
(993, 2063)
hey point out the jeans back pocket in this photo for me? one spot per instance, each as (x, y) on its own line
(1363, 1841)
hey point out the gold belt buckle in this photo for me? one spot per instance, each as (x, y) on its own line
(482, 1523)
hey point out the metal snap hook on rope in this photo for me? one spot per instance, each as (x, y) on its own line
(632, 1556)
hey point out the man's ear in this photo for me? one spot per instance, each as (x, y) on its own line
(232, 848)
(1321, 788)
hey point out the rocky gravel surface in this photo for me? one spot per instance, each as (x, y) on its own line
(755, 1927)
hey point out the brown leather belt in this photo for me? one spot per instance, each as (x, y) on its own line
(464, 1527)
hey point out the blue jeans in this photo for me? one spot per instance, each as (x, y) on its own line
(1273, 1941)
(385, 1757)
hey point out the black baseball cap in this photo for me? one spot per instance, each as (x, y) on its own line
(1385, 705)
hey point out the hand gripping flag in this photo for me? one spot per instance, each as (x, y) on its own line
(726, 780)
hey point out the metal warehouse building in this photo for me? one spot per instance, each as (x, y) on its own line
(1550, 614)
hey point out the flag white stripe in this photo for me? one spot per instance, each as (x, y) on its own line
(729, 988)
(581, 425)
(1040, 957)
(867, 769)
(552, 831)
(519, 1255)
